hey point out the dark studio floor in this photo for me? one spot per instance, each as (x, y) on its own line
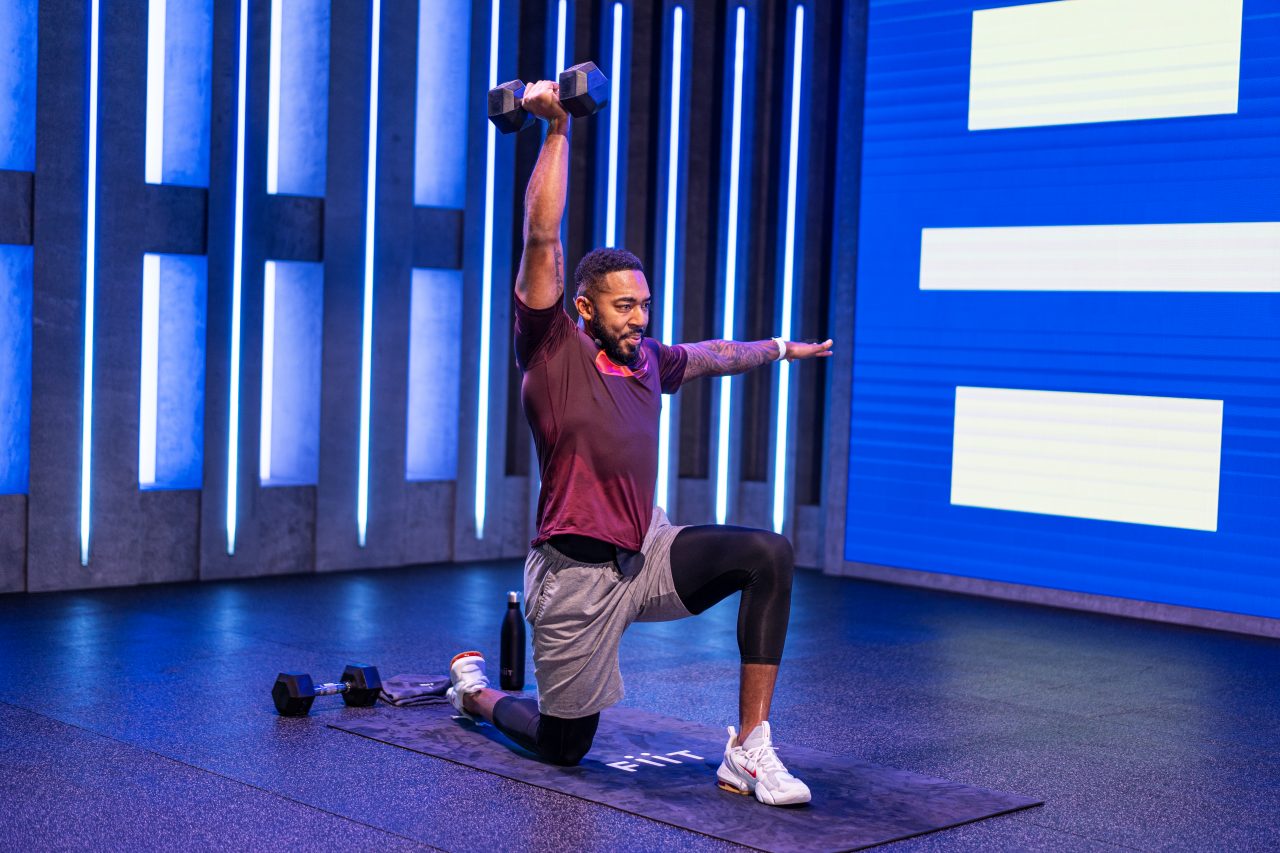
(141, 717)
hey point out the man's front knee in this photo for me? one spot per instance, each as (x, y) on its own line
(781, 556)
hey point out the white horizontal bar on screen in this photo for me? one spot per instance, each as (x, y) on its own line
(1212, 257)
(1110, 457)
(1081, 61)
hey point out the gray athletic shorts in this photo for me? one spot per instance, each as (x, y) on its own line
(578, 612)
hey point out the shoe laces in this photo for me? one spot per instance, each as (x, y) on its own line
(765, 758)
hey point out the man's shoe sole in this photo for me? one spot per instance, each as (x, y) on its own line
(731, 788)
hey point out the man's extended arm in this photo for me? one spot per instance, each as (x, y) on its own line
(727, 358)
(540, 281)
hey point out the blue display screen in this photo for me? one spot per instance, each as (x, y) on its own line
(1067, 336)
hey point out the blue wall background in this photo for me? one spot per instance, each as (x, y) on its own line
(184, 286)
(18, 85)
(923, 168)
(188, 66)
(15, 368)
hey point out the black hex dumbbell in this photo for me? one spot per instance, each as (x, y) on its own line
(584, 90)
(294, 692)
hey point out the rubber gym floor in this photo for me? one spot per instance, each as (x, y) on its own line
(141, 717)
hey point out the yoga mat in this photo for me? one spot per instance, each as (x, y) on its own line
(855, 804)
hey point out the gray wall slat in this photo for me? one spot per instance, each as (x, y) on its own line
(437, 238)
(53, 518)
(260, 517)
(294, 228)
(337, 544)
(844, 268)
(466, 545)
(13, 543)
(16, 197)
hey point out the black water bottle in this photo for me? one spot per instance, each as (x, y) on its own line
(511, 662)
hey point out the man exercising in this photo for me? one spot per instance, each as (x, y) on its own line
(604, 555)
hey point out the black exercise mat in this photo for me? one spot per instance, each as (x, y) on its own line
(855, 804)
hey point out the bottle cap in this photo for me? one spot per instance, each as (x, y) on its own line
(513, 597)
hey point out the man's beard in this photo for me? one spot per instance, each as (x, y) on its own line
(612, 345)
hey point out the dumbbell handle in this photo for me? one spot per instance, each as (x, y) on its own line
(332, 689)
(520, 101)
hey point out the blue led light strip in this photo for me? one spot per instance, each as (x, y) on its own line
(486, 289)
(669, 259)
(370, 221)
(562, 34)
(148, 404)
(268, 370)
(788, 278)
(237, 262)
(561, 27)
(155, 91)
(91, 239)
(731, 267)
(611, 206)
(273, 99)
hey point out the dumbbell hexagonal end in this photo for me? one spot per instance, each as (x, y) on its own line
(364, 684)
(504, 107)
(293, 693)
(584, 89)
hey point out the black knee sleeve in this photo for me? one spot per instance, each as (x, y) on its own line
(555, 739)
(778, 558)
(710, 562)
(766, 604)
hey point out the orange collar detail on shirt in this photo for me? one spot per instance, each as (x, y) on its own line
(607, 367)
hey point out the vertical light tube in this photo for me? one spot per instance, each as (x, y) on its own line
(486, 289)
(615, 95)
(155, 91)
(370, 221)
(149, 403)
(562, 37)
(731, 267)
(268, 370)
(669, 253)
(273, 99)
(237, 275)
(91, 240)
(561, 27)
(788, 278)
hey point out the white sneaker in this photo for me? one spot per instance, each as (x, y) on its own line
(754, 767)
(466, 673)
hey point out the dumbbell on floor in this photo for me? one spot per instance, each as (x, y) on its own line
(294, 692)
(584, 90)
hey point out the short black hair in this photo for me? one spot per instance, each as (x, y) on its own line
(597, 264)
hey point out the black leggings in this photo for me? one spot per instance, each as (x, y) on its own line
(708, 563)
(711, 562)
(555, 739)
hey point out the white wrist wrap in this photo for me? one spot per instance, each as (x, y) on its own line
(782, 348)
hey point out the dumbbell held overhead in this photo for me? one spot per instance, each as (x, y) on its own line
(294, 692)
(584, 90)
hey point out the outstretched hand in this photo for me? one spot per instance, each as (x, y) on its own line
(542, 99)
(798, 350)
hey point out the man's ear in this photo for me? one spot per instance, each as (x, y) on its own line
(584, 306)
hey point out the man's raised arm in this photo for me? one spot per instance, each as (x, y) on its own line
(727, 358)
(540, 281)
